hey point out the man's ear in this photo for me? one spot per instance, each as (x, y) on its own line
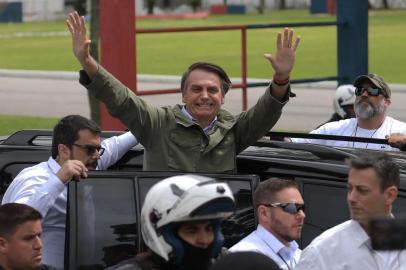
(262, 214)
(387, 102)
(391, 193)
(63, 152)
(3, 245)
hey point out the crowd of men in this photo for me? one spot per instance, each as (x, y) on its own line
(181, 216)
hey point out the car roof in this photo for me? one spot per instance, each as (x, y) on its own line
(266, 147)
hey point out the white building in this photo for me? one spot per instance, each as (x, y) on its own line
(40, 10)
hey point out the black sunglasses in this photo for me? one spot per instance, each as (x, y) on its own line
(291, 208)
(371, 91)
(91, 149)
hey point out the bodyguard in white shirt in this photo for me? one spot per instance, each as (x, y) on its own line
(280, 210)
(373, 182)
(76, 148)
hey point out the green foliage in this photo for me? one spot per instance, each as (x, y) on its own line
(10, 123)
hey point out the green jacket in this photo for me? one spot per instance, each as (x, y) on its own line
(172, 141)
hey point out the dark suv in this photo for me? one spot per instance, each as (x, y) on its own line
(103, 211)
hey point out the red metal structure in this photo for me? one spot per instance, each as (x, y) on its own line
(117, 48)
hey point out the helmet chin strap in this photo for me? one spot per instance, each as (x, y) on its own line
(195, 258)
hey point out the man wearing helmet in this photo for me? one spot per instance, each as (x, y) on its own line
(180, 223)
(373, 98)
(343, 103)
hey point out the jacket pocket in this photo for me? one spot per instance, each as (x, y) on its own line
(184, 150)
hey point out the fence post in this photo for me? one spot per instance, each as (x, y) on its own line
(352, 39)
(117, 48)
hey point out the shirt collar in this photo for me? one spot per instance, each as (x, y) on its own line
(358, 234)
(190, 117)
(53, 165)
(276, 245)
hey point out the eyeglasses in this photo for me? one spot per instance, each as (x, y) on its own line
(91, 149)
(291, 208)
(371, 91)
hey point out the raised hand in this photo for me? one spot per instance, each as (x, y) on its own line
(81, 43)
(72, 170)
(284, 59)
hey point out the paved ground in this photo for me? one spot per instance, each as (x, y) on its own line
(25, 95)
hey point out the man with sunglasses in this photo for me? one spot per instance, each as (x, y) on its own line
(76, 149)
(373, 98)
(280, 210)
(373, 186)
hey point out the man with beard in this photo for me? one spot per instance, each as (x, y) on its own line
(20, 238)
(280, 210)
(181, 224)
(76, 149)
(373, 182)
(371, 105)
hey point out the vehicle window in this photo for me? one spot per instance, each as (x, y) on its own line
(242, 222)
(102, 229)
(105, 222)
(326, 207)
(8, 173)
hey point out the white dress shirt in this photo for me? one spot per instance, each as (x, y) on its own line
(347, 247)
(262, 241)
(39, 187)
(349, 127)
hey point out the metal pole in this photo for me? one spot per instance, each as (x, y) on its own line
(352, 39)
(244, 67)
(117, 48)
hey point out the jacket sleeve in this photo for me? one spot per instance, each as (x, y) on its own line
(258, 120)
(141, 118)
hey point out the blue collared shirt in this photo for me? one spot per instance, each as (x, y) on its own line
(264, 242)
(206, 129)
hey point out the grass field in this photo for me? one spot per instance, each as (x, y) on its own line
(10, 123)
(172, 53)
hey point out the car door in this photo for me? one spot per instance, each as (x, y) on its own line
(103, 215)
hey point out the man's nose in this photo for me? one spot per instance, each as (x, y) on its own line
(96, 155)
(38, 243)
(205, 93)
(364, 93)
(204, 239)
(351, 195)
(300, 214)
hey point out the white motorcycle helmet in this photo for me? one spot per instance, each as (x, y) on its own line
(180, 199)
(344, 96)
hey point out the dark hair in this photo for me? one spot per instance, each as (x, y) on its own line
(386, 169)
(224, 79)
(14, 214)
(67, 131)
(267, 189)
